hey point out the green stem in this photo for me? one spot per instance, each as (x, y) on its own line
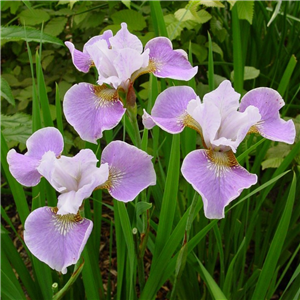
(140, 261)
(77, 270)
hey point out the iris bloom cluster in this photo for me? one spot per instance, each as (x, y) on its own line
(222, 123)
(57, 235)
(119, 60)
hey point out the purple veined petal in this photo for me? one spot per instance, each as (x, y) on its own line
(224, 97)
(208, 117)
(168, 63)
(147, 120)
(130, 170)
(124, 39)
(24, 167)
(169, 110)
(82, 61)
(217, 177)
(92, 109)
(127, 62)
(271, 126)
(105, 36)
(56, 240)
(43, 140)
(235, 127)
(74, 177)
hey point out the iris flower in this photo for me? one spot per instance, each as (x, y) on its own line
(119, 60)
(57, 235)
(214, 171)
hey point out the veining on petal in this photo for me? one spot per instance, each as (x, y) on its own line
(64, 223)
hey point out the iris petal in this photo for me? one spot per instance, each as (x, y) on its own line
(217, 177)
(24, 167)
(130, 170)
(166, 62)
(92, 109)
(169, 111)
(271, 126)
(56, 240)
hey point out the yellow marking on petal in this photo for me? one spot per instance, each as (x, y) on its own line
(114, 177)
(152, 67)
(221, 162)
(105, 93)
(64, 223)
(253, 129)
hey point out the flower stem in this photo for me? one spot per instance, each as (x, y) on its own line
(77, 270)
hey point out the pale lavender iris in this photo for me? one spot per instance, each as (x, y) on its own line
(56, 240)
(74, 178)
(24, 167)
(214, 172)
(119, 60)
(130, 170)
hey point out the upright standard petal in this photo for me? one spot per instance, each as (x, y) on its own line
(74, 177)
(124, 39)
(56, 240)
(169, 111)
(92, 109)
(82, 61)
(217, 177)
(166, 62)
(24, 167)
(130, 170)
(271, 126)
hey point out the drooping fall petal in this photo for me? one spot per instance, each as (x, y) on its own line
(168, 63)
(54, 239)
(92, 109)
(169, 111)
(270, 126)
(130, 170)
(217, 177)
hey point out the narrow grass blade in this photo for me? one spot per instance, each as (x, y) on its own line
(122, 214)
(159, 17)
(214, 289)
(16, 189)
(286, 77)
(42, 93)
(238, 64)
(169, 198)
(210, 64)
(276, 246)
(59, 117)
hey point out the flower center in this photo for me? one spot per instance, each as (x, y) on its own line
(64, 223)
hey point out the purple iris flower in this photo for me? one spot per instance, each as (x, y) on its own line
(57, 235)
(119, 60)
(214, 172)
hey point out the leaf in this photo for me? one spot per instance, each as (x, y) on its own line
(17, 33)
(249, 73)
(126, 3)
(6, 92)
(16, 127)
(245, 10)
(215, 48)
(55, 26)
(69, 2)
(211, 3)
(134, 20)
(33, 16)
(142, 207)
